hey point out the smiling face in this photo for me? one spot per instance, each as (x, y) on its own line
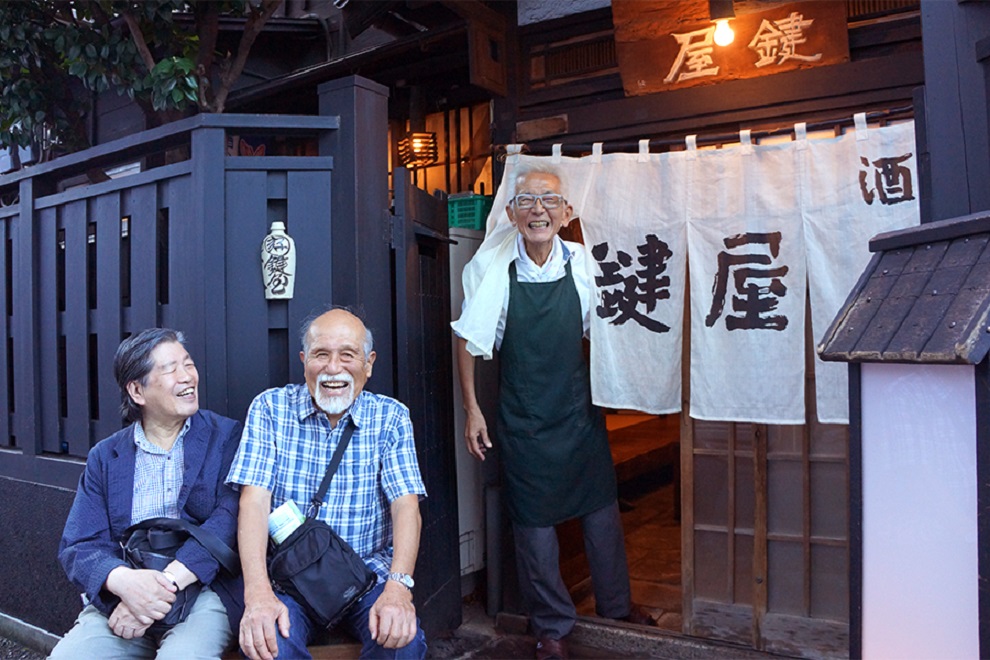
(170, 391)
(334, 361)
(537, 224)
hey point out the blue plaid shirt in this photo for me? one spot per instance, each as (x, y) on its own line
(287, 444)
(157, 476)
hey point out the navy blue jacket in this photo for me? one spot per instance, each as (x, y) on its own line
(101, 511)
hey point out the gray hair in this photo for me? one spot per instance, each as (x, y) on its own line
(369, 340)
(133, 362)
(541, 168)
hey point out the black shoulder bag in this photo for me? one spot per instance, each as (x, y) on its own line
(315, 566)
(152, 544)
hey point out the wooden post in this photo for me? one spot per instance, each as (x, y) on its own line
(360, 218)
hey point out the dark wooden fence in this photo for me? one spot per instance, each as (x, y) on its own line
(90, 259)
(165, 228)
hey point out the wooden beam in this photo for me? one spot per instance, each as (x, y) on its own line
(706, 105)
(812, 111)
(476, 12)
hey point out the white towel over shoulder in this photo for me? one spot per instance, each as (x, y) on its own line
(485, 279)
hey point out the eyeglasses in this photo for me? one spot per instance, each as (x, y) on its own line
(549, 201)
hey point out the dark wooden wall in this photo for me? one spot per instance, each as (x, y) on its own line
(422, 368)
(175, 246)
(955, 147)
(884, 69)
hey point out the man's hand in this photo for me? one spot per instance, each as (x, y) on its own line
(476, 434)
(147, 594)
(124, 624)
(392, 619)
(475, 429)
(257, 633)
(262, 608)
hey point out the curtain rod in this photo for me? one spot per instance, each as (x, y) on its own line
(619, 146)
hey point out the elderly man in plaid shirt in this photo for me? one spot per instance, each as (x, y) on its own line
(373, 502)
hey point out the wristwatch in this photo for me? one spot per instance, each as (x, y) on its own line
(403, 578)
(170, 578)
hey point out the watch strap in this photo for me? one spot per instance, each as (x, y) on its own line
(404, 579)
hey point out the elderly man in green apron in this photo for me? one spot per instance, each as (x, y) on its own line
(553, 443)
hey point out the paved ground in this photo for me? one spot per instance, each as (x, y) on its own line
(13, 651)
(481, 638)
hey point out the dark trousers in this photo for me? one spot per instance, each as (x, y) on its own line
(301, 632)
(551, 610)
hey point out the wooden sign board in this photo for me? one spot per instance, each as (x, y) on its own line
(664, 45)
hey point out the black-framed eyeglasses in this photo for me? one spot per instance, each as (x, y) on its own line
(548, 200)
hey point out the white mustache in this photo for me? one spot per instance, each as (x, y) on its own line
(338, 378)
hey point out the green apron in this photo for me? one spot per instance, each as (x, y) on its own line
(553, 442)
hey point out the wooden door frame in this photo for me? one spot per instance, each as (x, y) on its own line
(759, 638)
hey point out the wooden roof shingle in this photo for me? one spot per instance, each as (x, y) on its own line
(923, 298)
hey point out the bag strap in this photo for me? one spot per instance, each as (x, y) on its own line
(220, 550)
(317, 500)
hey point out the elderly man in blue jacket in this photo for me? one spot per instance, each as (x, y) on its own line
(170, 461)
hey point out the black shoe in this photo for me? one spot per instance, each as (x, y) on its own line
(639, 616)
(551, 649)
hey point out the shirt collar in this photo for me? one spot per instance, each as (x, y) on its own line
(558, 251)
(142, 442)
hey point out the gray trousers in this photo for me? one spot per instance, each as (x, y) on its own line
(551, 610)
(204, 634)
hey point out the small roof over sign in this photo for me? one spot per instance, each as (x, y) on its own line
(924, 298)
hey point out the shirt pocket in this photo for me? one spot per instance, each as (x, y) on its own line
(352, 491)
(358, 469)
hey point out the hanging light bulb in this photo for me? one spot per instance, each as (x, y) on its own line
(723, 32)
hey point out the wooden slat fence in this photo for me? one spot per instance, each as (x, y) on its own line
(174, 245)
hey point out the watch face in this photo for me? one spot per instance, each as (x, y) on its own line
(403, 579)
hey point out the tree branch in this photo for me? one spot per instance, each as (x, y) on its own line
(139, 42)
(252, 28)
(207, 27)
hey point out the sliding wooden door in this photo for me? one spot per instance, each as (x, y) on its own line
(765, 535)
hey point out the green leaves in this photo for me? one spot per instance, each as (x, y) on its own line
(51, 49)
(45, 45)
(35, 96)
(171, 85)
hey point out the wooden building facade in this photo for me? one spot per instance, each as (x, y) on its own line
(764, 509)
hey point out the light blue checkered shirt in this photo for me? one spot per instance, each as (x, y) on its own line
(287, 444)
(157, 477)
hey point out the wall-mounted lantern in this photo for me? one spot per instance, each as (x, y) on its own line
(418, 149)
